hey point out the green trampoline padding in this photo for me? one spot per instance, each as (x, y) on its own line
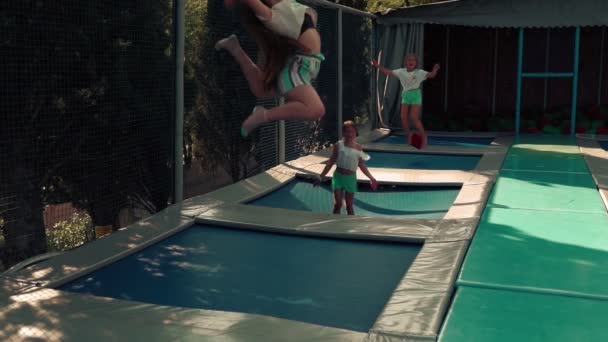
(543, 251)
(546, 191)
(535, 139)
(532, 160)
(482, 315)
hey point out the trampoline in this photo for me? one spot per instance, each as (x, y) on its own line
(333, 282)
(422, 161)
(442, 140)
(395, 201)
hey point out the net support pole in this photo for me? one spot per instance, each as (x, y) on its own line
(446, 69)
(495, 72)
(281, 135)
(547, 60)
(577, 44)
(178, 166)
(601, 72)
(340, 75)
(520, 59)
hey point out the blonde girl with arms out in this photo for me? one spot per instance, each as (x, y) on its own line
(348, 155)
(286, 34)
(411, 95)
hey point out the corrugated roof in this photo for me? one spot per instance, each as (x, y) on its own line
(503, 13)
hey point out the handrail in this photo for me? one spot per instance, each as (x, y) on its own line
(325, 3)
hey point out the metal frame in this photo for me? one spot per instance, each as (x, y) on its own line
(340, 114)
(573, 74)
(178, 158)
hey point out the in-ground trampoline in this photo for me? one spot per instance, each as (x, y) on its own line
(439, 140)
(422, 161)
(228, 265)
(332, 282)
(389, 200)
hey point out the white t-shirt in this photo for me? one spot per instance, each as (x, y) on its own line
(348, 157)
(287, 18)
(410, 79)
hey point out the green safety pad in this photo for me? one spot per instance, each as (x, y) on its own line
(539, 139)
(543, 251)
(528, 159)
(482, 315)
(546, 191)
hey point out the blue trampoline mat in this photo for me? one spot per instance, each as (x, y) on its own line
(604, 144)
(394, 201)
(332, 282)
(422, 161)
(442, 141)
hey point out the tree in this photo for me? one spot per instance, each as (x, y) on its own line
(86, 109)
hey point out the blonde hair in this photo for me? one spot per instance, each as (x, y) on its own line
(350, 123)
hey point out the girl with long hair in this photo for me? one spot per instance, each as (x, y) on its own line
(286, 34)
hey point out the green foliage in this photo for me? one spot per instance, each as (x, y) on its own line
(381, 5)
(66, 235)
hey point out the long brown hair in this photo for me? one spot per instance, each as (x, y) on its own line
(276, 48)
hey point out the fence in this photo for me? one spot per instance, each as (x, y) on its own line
(88, 112)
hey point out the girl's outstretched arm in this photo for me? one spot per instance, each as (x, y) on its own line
(433, 72)
(374, 183)
(387, 72)
(260, 9)
(330, 163)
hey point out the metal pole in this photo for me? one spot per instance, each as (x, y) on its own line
(547, 54)
(520, 58)
(445, 70)
(372, 81)
(577, 43)
(281, 135)
(495, 72)
(601, 72)
(346, 9)
(281, 141)
(340, 75)
(179, 103)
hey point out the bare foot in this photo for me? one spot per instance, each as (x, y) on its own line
(256, 118)
(230, 43)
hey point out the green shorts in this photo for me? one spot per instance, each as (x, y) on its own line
(347, 183)
(300, 69)
(412, 97)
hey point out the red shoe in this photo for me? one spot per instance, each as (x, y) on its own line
(417, 140)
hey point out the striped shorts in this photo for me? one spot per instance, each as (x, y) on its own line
(300, 69)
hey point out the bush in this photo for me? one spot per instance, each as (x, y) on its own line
(66, 235)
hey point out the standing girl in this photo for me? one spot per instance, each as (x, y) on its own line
(290, 43)
(411, 96)
(348, 156)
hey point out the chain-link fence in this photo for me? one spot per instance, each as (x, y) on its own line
(86, 126)
(87, 109)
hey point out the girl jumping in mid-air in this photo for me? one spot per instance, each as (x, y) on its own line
(411, 95)
(348, 156)
(286, 34)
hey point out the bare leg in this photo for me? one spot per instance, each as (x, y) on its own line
(405, 122)
(337, 201)
(350, 198)
(303, 103)
(253, 74)
(418, 124)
